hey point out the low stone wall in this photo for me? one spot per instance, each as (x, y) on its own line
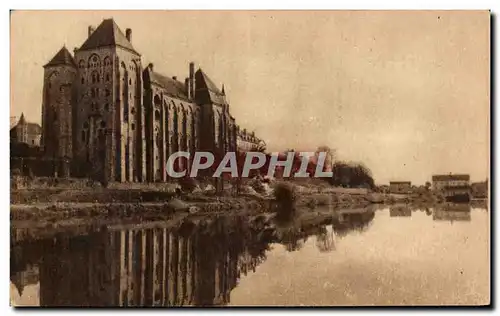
(23, 182)
(100, 195)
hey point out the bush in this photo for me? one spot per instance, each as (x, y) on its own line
(285, 197)
(188, 184)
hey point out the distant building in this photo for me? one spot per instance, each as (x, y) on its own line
(480, 189)
(401, 187)
(25, 132)
(452, 185)
(440, 182)
(246, 141)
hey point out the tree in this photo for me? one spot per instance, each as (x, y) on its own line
(352, 175)
(427, 185)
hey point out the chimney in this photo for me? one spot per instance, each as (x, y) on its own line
(150, 66)
(128, 34)
(191, 80)
(175, 78)
(186, 86)
(91, 30)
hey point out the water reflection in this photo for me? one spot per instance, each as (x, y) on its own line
(198, 263)
(400, 211)
(452, 212)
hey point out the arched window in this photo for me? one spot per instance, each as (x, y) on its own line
(83, 136)
(94, 61)
(107, 61)
(81, 64)
(108, 77)
(95, 77)
(157, 101)
(106, 107)
(108, 92)
(86, 125)
(83, 80)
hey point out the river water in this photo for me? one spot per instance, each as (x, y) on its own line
(360, 257)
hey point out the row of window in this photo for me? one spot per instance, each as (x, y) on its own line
(94, 62)
(94, 92)
(95, 78)
(102, 124)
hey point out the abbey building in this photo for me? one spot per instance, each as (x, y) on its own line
(117, 119)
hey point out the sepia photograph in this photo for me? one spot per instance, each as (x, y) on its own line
(232, 158)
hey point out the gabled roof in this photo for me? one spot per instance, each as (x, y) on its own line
(63, 57)
(107, 34)
(210, 85)
(172, 87)
(203, 82)
(22, 120)
(449, 177)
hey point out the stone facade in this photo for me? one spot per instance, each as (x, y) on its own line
(121, 121)
(247, 141)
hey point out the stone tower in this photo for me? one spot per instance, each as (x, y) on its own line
(57, 106)
(109, 129)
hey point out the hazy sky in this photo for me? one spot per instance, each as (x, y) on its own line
(407, 93)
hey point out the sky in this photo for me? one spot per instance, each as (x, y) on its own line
(405, 92)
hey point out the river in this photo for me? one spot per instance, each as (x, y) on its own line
(362, 257)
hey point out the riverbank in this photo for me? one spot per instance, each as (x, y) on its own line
(40, 211)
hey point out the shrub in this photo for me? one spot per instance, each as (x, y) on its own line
(188, 184)
(285, 197)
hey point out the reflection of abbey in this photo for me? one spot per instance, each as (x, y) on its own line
(111, 117)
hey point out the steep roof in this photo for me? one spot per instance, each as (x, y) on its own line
(210, 85)
(22, 120)
(63, 57)
(32, 128)
(108, 34)
(203, 82)
(173, 87)
(449, 177)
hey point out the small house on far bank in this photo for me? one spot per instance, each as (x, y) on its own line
(400, 187)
